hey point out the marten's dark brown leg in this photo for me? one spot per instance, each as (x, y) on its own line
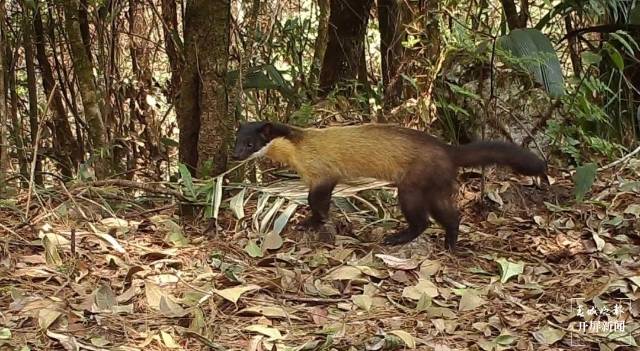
(444, 212)
(319, 200)
(412, 203)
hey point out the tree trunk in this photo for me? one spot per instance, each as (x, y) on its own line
(347, 27)
(188, 104)
(27, 30)
(4, 123)
(320, 45)
(392, 34)
(515, 20)
(140, 63)
(16, 122)
(208, 21)
(574, 47)
(66, 149)
(88, 90)
(172, 45)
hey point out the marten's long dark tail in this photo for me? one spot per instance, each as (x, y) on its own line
(484, 153)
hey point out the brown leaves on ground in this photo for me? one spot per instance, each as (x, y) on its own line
(529, 264)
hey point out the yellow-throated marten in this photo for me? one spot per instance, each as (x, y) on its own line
(422, 167)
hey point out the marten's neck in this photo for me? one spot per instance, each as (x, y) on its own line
(281, 150)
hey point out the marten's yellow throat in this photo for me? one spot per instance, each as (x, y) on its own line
(422, 167)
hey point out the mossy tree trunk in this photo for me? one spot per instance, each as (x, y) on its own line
(89, 94)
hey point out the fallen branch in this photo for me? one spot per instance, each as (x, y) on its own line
(621, 160)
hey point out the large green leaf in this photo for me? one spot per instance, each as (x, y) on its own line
(538, 56)
(262, 77)
(583, 179)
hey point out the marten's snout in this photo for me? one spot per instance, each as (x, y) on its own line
(237, 153)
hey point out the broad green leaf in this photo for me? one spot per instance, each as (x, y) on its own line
(540, 58)
(583, 179)
(634, 15)
(262, 77)
(185, 175)
(509, 269)
(253, 249)
(237, 204)
(463, 91)
(615, 56)
(590, 58)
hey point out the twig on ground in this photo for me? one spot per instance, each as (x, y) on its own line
(151, 188)
(620, 160)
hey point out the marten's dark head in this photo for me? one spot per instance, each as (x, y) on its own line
(252, 138)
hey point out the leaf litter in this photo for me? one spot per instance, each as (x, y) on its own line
(527, 259)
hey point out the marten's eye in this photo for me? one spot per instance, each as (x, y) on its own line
(250, 145)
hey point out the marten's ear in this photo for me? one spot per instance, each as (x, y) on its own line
(267, 130)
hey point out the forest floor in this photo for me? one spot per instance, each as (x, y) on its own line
(533, 268)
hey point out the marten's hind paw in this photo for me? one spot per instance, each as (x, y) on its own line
(400, 238)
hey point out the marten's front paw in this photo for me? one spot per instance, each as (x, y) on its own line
(402, 237)
(310, 222)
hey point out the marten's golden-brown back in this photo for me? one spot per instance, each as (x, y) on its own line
(341, 153)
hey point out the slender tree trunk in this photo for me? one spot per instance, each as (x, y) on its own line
(4, 123)
(65, 146)
(88, 90)
(320, 45)
(83, 16)
(32, 89)
(576, 62)
(16, 122)
(391, 23)
(140, 56)
(172, 45)
(210, 20)
(515, 20)
(347, 27)
(188, 104)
